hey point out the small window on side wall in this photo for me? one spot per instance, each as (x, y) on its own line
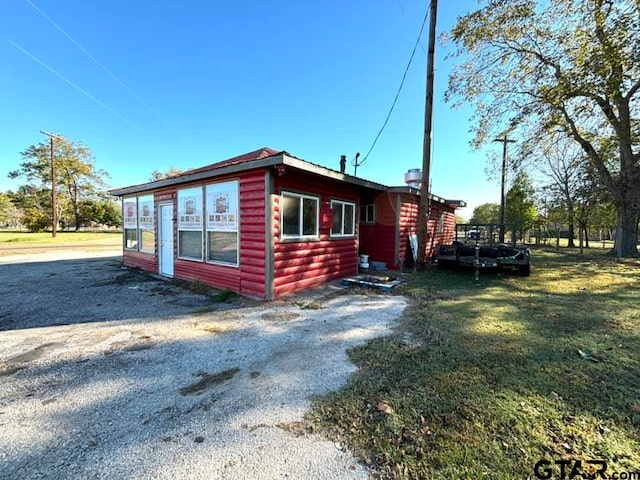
(299, 216)
(368, 213)
(344, 218)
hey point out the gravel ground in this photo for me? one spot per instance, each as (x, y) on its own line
(109, 374)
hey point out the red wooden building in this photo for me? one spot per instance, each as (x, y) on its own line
(266, 223)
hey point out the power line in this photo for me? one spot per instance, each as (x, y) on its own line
(404, 13)
(404, 76)
(84, 92)
(105, 69)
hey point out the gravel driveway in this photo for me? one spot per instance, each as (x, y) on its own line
(106, 373)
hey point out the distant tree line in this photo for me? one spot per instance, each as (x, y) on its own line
(567, 201)
(82, 200)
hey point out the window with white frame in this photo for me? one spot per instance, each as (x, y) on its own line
(367, 213)
(130, 222)
(190, 223)
(344, 218)
(299, 215)
(222, 222)
(146, 223)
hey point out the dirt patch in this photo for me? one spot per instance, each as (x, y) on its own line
(280, 316)
(31, 355)
(208, 380)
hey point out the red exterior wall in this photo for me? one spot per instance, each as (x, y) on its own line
(149, 261)
(302, 264)
(253, 234)
(436, 236)
(249, 277)
(270, 267)
(386, 240)
(408, 225)
(144, 261)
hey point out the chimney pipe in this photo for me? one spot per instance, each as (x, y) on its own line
(343, 163)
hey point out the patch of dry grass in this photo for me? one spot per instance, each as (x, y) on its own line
(484, 379)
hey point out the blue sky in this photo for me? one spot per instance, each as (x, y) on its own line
(189, 83)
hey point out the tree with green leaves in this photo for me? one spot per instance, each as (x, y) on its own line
(34, 204)
(104, 211)
(539, 68)
(5, 206)
(485, 214)
(520, 205)
(77, 177)
(171, 172)
(10, 215)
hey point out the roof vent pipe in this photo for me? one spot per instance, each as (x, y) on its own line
(413, 178)
(343, 163)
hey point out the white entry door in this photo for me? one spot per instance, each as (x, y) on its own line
(165, 240)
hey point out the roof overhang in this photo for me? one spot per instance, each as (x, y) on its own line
(327, 172)
(432, 197)
(278, 159)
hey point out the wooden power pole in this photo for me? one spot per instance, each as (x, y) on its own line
(504, 140)
(423, 211)
(54, 195)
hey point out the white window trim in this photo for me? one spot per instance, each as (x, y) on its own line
(192, 259)
(342, 204)
(125, 228)
(218, 262)
(301, 236)
(236, 231)
(200, 229)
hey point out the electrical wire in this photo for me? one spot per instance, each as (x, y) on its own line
(404, 76)
(105, 69)
(84, 92)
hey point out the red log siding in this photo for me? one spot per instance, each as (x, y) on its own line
(218, 276)
(378, 240)
(396, 218)
(437, 237)
(253, 243)
(144, 261)
(408, 225)
(304, 264)
(249, 277)
(301, 264)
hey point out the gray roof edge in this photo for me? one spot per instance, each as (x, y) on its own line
(327, 172)
(216, 172)
(415, 191)
(277, 159)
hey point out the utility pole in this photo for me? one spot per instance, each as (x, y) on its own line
(54, 196)
(423, 211)
(504, 140)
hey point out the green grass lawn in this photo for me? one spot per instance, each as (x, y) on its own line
(482, 380)
(13, 236)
